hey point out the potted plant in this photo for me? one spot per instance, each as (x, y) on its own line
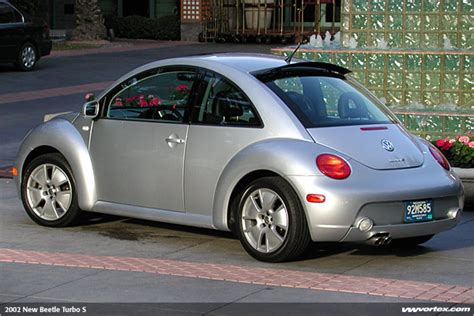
(460, 153)
(258, 16)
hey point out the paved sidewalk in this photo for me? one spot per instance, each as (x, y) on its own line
(250, 275)
(119, 47)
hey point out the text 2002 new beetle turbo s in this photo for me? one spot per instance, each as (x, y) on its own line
(281, 153)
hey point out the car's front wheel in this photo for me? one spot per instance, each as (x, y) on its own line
(27, 57)
(49, 192)
(271, 223)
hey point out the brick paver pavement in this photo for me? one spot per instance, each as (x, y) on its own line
(251, 275)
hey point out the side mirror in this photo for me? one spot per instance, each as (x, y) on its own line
(91, 109)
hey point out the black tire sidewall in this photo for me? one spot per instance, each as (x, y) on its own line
(19, 61)
(55, 159)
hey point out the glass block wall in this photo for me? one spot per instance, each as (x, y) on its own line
(434, 79)
(408, 23)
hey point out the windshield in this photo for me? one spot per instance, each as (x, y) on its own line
(320, 101)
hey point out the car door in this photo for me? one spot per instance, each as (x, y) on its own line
(224, 122)
(137, 145)
(11, 30)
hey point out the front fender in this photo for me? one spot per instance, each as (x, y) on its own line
(285, 157)
(61, 135)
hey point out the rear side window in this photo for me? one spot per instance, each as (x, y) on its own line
(224, 104)
(320, 101)
(7, 14)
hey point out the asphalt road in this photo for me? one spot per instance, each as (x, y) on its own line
(446, 259)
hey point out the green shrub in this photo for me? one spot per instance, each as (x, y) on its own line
(163, 28)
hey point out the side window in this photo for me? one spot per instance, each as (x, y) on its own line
(18, 16)
(153, 96)
(225, 104)
(6, 14)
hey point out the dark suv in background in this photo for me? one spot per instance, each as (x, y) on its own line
(23, 39)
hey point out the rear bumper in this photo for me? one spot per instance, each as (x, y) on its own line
(403, 230)
(44, 47)
(380, 196)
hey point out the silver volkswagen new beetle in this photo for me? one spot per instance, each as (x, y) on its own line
(279, 152)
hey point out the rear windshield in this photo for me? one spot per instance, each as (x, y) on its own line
(321, 101)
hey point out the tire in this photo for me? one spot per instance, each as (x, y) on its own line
(27, 57)
(410, 242)
(48, 191)
(263, 234)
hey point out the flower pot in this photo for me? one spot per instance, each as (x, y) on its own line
(467, 177)
(255, 18)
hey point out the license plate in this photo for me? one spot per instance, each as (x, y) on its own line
(418, 211)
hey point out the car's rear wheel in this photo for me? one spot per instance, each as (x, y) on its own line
(410, 242)
(271, 223)
(27, 57)
(49, 191)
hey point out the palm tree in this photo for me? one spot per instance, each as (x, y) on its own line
(89, 21)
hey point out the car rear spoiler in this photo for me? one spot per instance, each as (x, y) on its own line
(302, 66)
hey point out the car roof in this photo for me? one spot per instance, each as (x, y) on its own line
(246, 63)
(250, 62)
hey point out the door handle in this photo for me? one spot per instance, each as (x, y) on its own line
(175, 140)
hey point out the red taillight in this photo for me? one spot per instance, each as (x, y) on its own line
(439, 157)
(333, 166)
(45, 30)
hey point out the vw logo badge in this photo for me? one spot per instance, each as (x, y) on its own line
(387, 145)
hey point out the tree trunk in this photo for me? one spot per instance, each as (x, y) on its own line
(89, 21)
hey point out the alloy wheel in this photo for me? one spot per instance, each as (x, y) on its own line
(265, 220)
(49, 192)
(28, 57)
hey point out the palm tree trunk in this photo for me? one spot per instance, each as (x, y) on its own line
(89, 21)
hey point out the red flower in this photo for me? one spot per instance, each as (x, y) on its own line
(182, 87)
(440, 142)
(155, 102)
(142, 102)
(445, 143)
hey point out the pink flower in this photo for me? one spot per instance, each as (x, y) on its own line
(451, 141)
(471, 144)
(182, 87)
(89, 97)
(118, 102)
(464, 139)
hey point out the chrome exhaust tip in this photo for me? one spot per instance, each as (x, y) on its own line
(380, 239)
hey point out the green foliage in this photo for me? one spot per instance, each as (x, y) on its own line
(163, 28)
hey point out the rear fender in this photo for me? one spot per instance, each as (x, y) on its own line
(285, 157)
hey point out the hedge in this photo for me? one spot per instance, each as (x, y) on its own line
(163, 28)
